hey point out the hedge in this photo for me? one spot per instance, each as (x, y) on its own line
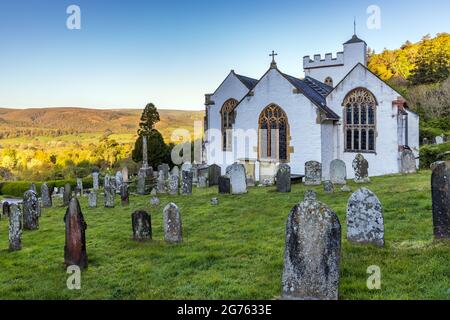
(431, 153)
(18, 188)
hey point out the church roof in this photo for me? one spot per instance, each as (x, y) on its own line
(247, 81)
(354, 39)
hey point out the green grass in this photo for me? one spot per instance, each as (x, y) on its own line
(232, 251)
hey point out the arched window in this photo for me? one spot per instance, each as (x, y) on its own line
(227, 114)
(329, 81)
(359, 121)
(273, 133)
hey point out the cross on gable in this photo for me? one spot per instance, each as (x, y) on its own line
(273, 54)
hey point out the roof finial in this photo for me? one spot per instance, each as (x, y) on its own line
(273, 64)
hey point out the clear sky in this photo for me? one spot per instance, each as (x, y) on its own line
(128, 53)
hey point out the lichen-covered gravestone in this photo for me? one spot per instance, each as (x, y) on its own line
(361, 168)
(310, 195)
(173, 185)
(408, 162)
(142, 225)
(92, 200)
(67, 194)
(186, 182)
(119, 181)
(154, 201)
(30, 210)
(15, 228)
(328, 186)
(224, 185)
(440, 190)
(312, 253)
(172, 224)
(238, 179)
(284, 178)
(124, 194)
(313, 173)
(365, 223)
(109, 197)
(175, 171)
(338, 172)
(46, 196)
(75, 247)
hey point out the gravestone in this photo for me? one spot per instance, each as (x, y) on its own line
(153, 192)
(15, 228)
(439, 140)
(361, 168)
(30, 210)
(312, 253)
(408, 162)
(238, 178)
(119, 181)
(214, 172)
(194, 170)
(202, 182)
(142, 225)
(328, 186)
(33, 187)
(92, 200)
(75, 246)
(313, 173)
(440, 190)
(310, 195)
(365, 223)
(186, 182)
(187, 166)
(95, 183)
(124, 194)
(107, 181)
(67, 194)
(284, 178)
(125, 174)
(61, 192)
(224, 185)
(141, 183)
(172, 224)
(154, 201)
(6, 209)
(161, 183)
(109, 197)
(338, 172)
(173, 185)
(79, 190)
(165, 169)
(46, 196)
(175, 171)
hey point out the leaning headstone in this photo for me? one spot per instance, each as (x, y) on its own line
(6, 209)
(154, 201)
(365, 223)
(328, 186)
(124, 194)
(109, 197)
(172, 224)
(440, 190)
(224, 185)
(310, 195)
(15, 228)
(79, 186)
(30, 210)
(186, 182)
(165, 169)
(238, 179)
(67, 194)
(173, 185)
(361, 168)
(284, 178)
(338, 172)
(75, 247)
(312, 253)
(408, 162)
(142, 225)
(95, 183)
(92, 200)
(313, 173)
(46, 196)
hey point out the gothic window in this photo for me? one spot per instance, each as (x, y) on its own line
(273, 134)
(227, 114)
(360, 127)
(329, 81)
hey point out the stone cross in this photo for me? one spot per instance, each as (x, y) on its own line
(75, 247)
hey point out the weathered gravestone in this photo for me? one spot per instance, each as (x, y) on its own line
(365, 222)
(172, 224)
(95, 183)
(119, 181)
(107, 181)
(154, 201)
(30, 210)
(124, 194)
(202, 182)
(175, 171)
(408, 162)
(79, 189)
(313, 173)
(186, 182)
(284, 178)
(92, 200)
(161, 183)
(439, 140)
(109, 197)
(312, 253)
(46, 196)
(328, 186)
(310, 195)
(440, 190)
(361, 168)
(186, 166)
(142, 225)
(173, 185)
(67, 195)
(214, 172)
(338, 172)
(125, 174)
(141, 183)
(165, 169)
(6, 209)
(238, 178)
(113, 183)
(75, 247)
(15, 228)
(224, 185)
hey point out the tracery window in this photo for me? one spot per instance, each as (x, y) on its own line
(273, 133)
(360, 125)
(329, 81)
(227, 114)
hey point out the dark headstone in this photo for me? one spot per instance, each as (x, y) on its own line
(124, 194)
(46, 196)
(440, 189)
(31, 210)
(284, 178)
(75, 247)
(172, 224)
(15, 228)
(214, 172)
(142, 225)
(6, 209)
(224, 185)
(186, 182)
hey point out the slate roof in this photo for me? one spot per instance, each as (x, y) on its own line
(354, 39)
(250, 83)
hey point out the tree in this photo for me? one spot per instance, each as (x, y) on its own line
(157, 150)
(149, 118)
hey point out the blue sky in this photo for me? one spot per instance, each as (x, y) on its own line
(128, 53)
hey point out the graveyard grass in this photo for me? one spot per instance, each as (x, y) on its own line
(230, 251)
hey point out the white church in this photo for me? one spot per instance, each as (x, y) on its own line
(339, 109)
